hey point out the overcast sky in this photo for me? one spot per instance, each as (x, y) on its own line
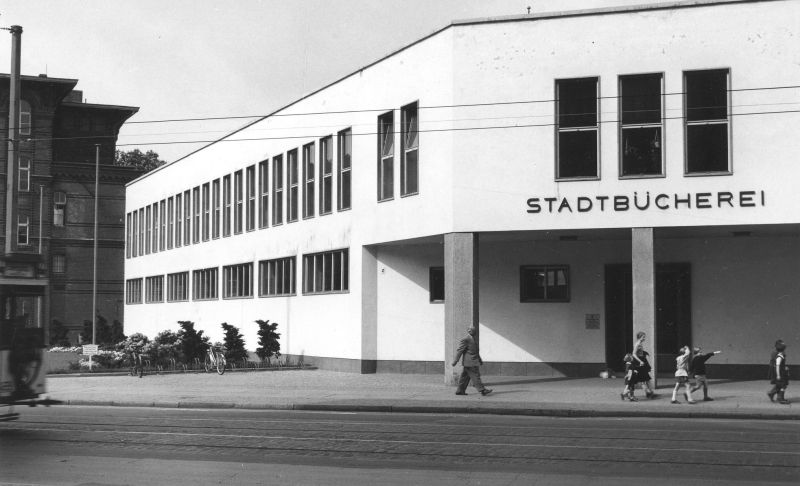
(217, 58)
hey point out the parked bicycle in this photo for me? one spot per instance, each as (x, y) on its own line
(137, 364)
(215, 359)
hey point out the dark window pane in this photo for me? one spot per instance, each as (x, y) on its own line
(706, 95)
(345, 194)
(411, 177)
(707, 148)
(387, 177)
(577, 103)
(436, 284)
(577, 154)
(641, 151)
(641, 99)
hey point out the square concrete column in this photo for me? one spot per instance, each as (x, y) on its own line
(369, 310)
(644, 290)
(460, 295)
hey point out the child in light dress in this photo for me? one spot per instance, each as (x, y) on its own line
(682, 375)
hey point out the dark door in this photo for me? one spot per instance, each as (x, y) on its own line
(673, 313)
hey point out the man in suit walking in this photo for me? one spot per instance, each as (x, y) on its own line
(468, 348)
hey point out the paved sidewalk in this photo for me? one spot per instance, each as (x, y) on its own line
(313, 389)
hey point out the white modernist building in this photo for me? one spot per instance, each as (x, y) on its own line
(561, 180)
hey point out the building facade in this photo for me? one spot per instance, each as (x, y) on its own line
(46, 272)
(562, 181)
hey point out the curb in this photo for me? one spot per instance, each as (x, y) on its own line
(174, 372)
(444, 409)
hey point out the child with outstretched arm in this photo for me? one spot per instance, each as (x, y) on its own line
(698, 369)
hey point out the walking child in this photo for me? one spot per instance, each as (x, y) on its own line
(630, 379)
(698, 369)
(642, 365)
(682, 375)
(778, 373)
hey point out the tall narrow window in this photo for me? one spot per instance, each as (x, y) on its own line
(24, 118)
(142, 231)
(409, 164)
(156, 226)
(238, 198)
(128, 228)
(640, 107)
(215, 196)
(577, 125)
(263, 194)
(170, 223)
(277, 190)
(187, 218)
(250, 181)
(386, 156)
(345, 143)
(178, 220)
(59, 263)
(226, 205)
(59, 204)
(326, 175)
(206, 224)
(149, 229)
(308, 180)
(294, 189)
(162, 217)
(24, 173)
(707, 121)
(197, 215)
(436, 284)
(23, 229)
(135, 233)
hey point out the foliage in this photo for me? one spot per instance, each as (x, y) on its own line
(165, 347)
(59, 334)
(65, 349)
(103, 332)
(137, 342)
(268, 342)
(105, 359)
(193, 343)
(116, 332)
(234, 343)
(144, 161)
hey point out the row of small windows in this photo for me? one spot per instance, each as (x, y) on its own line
(537, 283)
(641, 125)
(325, 272)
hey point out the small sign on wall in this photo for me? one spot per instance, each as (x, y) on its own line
(592, 321)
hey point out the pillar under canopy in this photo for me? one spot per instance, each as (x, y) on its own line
(460, 295)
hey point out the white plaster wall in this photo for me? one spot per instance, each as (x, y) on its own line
(499, 169)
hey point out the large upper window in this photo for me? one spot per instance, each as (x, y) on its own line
(238, 201)
(345, 140)
(326, 175)
(226, 205)
(640, 109)
(577, 125)
(24, 173)
(156, 226)
(293, 196)
(237, 281)
(204, 284)
(277, 190)
(149, 229)
(170, 223)
(386, 156)
(206, 211)
(707, 121)
(276, 277)
(409, 164)
(162, 217)
(178, 220)
(325, 272)
(187, 218)
(263, 193)
(250, 186)
(197, 215)
(544, 283)
(217, 203)
(308, 180)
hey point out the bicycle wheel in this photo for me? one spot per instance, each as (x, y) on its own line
(220, 363)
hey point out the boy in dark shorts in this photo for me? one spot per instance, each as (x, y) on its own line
(778, 373)
(698, 369)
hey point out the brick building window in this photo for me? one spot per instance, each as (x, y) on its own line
(24, 174)
(59, 263)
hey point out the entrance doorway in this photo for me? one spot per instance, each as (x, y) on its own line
(673, 313)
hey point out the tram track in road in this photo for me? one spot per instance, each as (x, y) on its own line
(432, 440)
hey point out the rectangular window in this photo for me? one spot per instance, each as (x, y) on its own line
(128, 238)
(409, 164)
(23, 230)
(156, 226)
(326, 175)
(277, 190)
(215, 220)
(24, 118)
(170, 223)
(238, 198)
(577, 126)
(187, 218)
(294, 189)
(326, 272)
(544, 283)
(162, 216)
(707, 121)
(149, 229)
(345, 142)
(59, 203)
(142, 231)
(205, 284)
(226, 205)
(59, 263)
(436, 284)
(641, 119)
(237, 281)
(206, 211)
(178, 287)
(250, 219)
(263, 193)
(178, 220)
(133, 291)
(196, 214)
(154, 289)
(24, 173)
(386, 156)
(135, 233)
(276, 277)
(308, 180)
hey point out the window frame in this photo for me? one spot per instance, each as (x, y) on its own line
(436, 274)
(237, 281)
(227, 205)
(560, 130)
(405, 150)
(277, 190)
(196, 215)
(688, 124)
(59, 267)
(154, 289)
(162, 233)
(640, 125)
(24, 173)
(293, 183)
(170, 223)
(238, 202)
(344, 182)
(205, 284)
(309, 180)
(250, 198)
(133, 291)
(275, 280)
(317, 272)
(206, 210)
(386, 160)
(326, 175)
(216, 218)
(187, 217)
(178, 287)
(544, 268)
(23, 230)
(263, 194)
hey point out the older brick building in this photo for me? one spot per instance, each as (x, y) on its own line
(46, 267)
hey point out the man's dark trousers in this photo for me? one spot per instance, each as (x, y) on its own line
(470, 373)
